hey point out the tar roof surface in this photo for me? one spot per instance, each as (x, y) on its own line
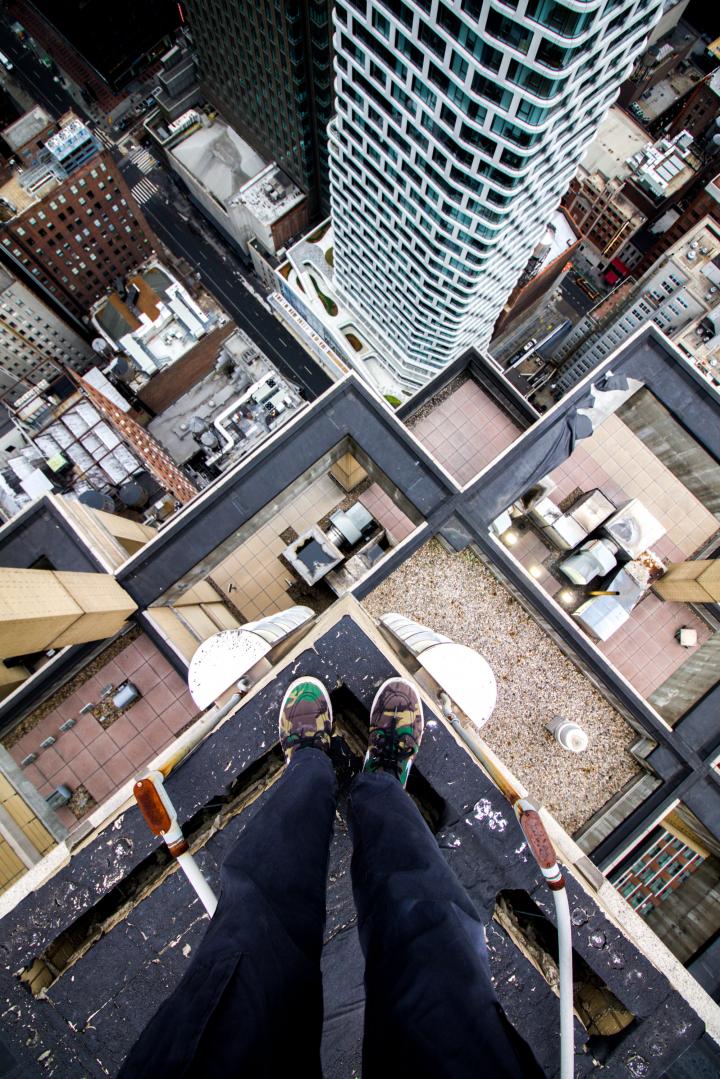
(90, 1016)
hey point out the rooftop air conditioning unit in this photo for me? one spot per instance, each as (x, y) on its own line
(348, 527)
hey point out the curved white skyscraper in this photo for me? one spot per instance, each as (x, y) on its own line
(459, 126)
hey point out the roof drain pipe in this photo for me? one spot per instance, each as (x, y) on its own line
(161, 818)
(541, 847)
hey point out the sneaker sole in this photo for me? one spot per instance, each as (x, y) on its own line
(301, 681)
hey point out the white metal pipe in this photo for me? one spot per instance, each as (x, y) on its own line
(197, 733)
(194, 875)
(567, 1014)
(562, 908)
(161, 817)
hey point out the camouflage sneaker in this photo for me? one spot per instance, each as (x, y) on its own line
(396, 729)
(305, 717)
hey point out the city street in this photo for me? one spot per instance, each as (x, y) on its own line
(194, 240)
(573, 295)
(541, 321)
(567, 301)
(34, 78)
(178, 224)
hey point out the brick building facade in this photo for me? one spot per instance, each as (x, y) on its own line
(144, 445)
(76, 239)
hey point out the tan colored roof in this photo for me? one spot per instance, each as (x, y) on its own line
(124, 311)
(148, 301)
(15, 193)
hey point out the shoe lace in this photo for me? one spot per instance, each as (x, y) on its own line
(316, 740)
(389, 750)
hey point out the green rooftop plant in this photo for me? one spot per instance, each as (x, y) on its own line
(329, 305)
(318, 233)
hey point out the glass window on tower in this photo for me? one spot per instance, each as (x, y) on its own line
(433, 40)
(507, 31)
(554, 56)
(557, 17)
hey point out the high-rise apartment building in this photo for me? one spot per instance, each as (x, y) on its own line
(267, 67)
(459, 126)
(68, 221)
(33, 339)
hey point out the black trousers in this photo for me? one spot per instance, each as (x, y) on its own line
(250, 1005)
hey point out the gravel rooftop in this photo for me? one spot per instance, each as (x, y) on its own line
(456, 595)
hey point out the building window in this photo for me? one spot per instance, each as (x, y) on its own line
(424, 92)
(554, 56)
(458, 66)
(432, 40)
(400, 10)
(508, 31)
(491, 90)
(407, 48)
(381, 24)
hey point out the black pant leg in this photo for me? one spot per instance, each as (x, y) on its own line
(250, 1004)
(430, 1011)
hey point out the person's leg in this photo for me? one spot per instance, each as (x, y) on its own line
(251, 1001)
(430, 1008)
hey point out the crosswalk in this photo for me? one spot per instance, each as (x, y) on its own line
(144, 191)
(143, 160)
(104, 138)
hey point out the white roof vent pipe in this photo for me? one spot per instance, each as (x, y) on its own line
(568, 734)
(227, 658)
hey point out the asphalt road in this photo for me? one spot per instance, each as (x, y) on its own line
(35, 78)
(224, 276)
(575, 296)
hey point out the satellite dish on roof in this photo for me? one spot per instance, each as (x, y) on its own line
(133, 495)
(100, 345)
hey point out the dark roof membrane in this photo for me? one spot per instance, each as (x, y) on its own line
(93, 1013)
